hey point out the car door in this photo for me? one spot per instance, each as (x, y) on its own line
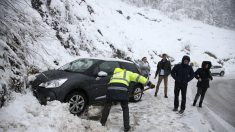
(100, 82)
(217, 69)
(213, 69)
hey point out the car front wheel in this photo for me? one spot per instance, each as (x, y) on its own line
(77, 102)
(222, 73)
(136, 97)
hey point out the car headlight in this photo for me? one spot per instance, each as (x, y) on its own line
(53, 83)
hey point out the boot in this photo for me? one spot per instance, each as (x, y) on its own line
(127, 129)
(155, 94)
(175, 109)
(194, 102)
(103, 124)
(200, 105)
(181, 111)
(166, 96)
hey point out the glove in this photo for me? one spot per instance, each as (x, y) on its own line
(199, 79)
(150, 85)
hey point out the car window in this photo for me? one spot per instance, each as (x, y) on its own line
(130, 66)
(108, 66)
(216, 67)
(80, 65)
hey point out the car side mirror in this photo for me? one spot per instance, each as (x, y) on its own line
(102, 74)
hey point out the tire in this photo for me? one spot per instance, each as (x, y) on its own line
(136, 98)
(221, 73)
(77, 102)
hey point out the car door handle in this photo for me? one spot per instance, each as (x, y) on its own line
(98, 78)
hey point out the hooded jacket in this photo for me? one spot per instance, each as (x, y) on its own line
(144, 67)
(204, 74)
(182, 73)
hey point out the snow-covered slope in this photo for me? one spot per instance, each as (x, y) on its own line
(213, 12)
(37, 35)
(47, 34)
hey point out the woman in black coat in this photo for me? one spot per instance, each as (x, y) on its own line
(203, 75)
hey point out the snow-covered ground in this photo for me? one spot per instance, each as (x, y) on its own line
(164, 35)
(152, 114)
(220, 99)
(25, 114)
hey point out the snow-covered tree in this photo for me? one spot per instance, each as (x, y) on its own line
(214, 12)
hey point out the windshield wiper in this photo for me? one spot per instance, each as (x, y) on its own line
(67, 70)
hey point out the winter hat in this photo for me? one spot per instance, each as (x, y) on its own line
(185, 58)
(206, 62)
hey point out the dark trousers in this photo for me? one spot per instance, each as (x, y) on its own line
(200, 92)
(125, 109)
(183, 88)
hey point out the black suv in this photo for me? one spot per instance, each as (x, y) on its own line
(82, 82)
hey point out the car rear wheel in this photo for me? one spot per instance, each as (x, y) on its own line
(77, 102)
(136, 97)
(221, 73)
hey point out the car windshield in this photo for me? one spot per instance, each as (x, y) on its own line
(80, 65)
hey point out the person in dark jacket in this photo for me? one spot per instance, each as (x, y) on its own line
(182, 74)
(118, 92)
(203, 75)
(163, 70)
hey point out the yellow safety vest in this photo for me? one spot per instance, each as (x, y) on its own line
(125, 77)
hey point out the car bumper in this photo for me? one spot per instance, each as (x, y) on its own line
(43, 95)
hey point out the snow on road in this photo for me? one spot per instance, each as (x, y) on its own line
(154, 114)
(151, 114)
(24, 113)
(220, 99)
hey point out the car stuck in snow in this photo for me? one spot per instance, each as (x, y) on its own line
(82, 82)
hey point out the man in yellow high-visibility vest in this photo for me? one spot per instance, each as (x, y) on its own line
(118, 92)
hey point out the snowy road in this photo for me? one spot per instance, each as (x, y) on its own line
(219, 104)
(155, 114)
(220, 99)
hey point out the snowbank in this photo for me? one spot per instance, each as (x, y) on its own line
(25, 114)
